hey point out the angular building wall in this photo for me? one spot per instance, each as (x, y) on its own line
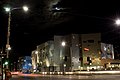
(44, 56)
(67, 53)
(67, 56)
(34, 60)
(107, 51)
(91, 48)
(62, 56)
(75, 51)
(78, 52)
(58, 52)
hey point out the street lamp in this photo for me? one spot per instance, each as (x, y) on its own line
(117, 22)
(25, 8)
(64, 65)
(63, 43)
(36, 52)
(9, 10)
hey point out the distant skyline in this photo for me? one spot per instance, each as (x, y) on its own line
(40, 24)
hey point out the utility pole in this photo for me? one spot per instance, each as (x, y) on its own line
(8, 38)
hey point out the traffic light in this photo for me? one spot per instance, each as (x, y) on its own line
(89, 60)
(6, 62)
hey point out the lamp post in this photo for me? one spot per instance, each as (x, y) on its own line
(9, 10)
(63, 43)
(64, 65)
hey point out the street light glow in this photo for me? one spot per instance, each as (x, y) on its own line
(9, 48)
(7, 9)
(64, 65)
(57, 8)
(36, 52)
(63, 43)
(25, 8)
(117, 22)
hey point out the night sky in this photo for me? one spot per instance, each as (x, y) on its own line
(42, 21)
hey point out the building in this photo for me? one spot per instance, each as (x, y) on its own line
(76, 51)
(34, 60)
(42, 57)
(91, 47)
(73, 52)
(67, 56)
(25, 64)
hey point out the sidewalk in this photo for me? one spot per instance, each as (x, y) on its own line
(79, 73)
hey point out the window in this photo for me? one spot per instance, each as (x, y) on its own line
(84, 41)
(91, 41)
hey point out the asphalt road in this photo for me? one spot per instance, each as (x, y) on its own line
(66, 77)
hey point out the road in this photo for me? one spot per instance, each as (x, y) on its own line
(65, 77)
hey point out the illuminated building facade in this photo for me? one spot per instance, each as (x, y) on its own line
(42, 57)
(73, 52)
(25, 64)
(69, 54)
(91, 46)
(34, 60)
